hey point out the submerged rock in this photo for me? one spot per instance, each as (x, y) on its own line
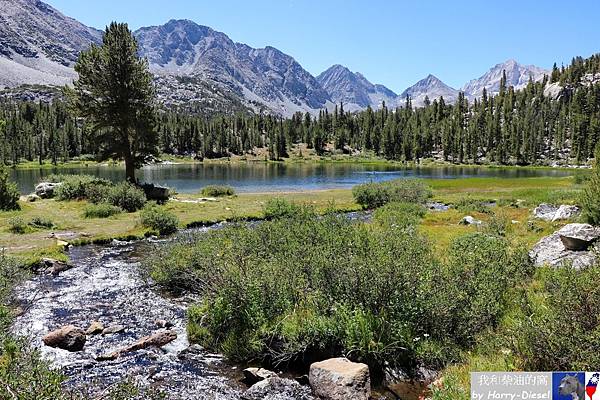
(70, 338)
(278, 389)
(113, 329)
(51, 266)
(340, 378)
(156, 340)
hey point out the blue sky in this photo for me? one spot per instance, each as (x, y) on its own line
(394, 43)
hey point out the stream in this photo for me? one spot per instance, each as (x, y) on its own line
(106, 285)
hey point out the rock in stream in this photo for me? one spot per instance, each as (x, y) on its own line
(105, 287)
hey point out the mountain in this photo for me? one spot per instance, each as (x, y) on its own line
(430, 87)
(354, 90)
(517, 75)
(39, 45)
(262, 77)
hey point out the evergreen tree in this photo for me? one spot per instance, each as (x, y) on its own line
(115, 93)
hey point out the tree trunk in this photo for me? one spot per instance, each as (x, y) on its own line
(130, 170)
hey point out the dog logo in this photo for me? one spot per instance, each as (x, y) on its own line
(592, 379)
(568, 386)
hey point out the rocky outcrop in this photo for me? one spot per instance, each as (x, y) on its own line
(339, 378)
(68, 338)
(278, 389)
(549, 212)
(582, 250)
(578, 237)
(45, 190)
(156, 192)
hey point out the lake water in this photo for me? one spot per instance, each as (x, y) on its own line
(270, 177)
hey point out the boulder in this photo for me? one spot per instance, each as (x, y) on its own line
(163, 323)
(51, 266)
(32, 198)
(278, 389)
(550, 212)
(339, 378)
(68, 338)
(45, 190)
(95, 328)
(578, 237)
(253, 375)
(545, 211)
(566, 212)
(469, 220)
(156, 192)
(552, 252)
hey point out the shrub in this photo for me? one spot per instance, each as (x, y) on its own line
(217, 191)
(469, 204)
(399, 214)
(98, 192)
(76, 187)
(308, 287)
(9, 193)
(126, 196)
(498, 225)
(102, 210)
(560, 316)
(590, 198)
(159, 219)
(281, 208)
(373, 195)
(41, 223)
(17, 225)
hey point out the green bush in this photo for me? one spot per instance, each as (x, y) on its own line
(17, 225)
(9, 193)
(41, 223)
(309, 287)
(280, 208)
(127, 197)
(373, 195)
(159, 219)
(399, 214)
(76, 187)
(469, 205)
(102, 210)
(590, 198)
(217, 191)
(560, 327)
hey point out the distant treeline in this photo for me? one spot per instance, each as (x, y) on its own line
(513, 127)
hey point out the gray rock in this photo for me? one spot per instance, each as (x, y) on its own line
(45, 190)
(95, 328)
(469, 220)
(566, 212)
(435, 206)
(549, 212)
(552, 252)
(278, 389)
(545, 211)
(340, 378)
(68, 338)
(51, 266)
(253, 375)
(578, 237)
(32, 198)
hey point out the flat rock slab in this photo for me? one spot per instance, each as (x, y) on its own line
(340, 378)
(578, 237)
(552, 252)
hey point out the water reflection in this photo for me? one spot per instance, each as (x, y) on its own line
(271, 177)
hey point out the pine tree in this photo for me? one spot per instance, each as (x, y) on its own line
(590, 199)
(115, 93)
